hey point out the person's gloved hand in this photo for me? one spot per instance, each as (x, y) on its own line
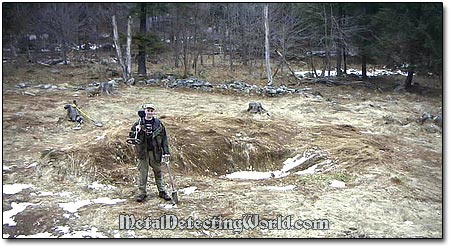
(166, 157)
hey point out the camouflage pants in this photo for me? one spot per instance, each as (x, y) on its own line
(143, 168)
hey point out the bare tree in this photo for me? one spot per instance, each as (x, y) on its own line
(128, 48)
(141, 46)
(63, 21)
(127, 64)
(267, 46)
(118, 48)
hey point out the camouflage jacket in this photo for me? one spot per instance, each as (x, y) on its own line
(159, 140)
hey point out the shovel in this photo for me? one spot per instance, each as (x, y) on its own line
(174, 198)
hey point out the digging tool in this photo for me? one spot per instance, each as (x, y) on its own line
(96, 123)
(174, 198)
(135, 140)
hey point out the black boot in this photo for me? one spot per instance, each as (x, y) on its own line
(141, 197)
(164, 195)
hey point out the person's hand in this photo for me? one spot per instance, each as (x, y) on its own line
(138, 128)
(166, 157)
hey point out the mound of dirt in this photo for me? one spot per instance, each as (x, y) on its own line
(220, 145)
(199, 147)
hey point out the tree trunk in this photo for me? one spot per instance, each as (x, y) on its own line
(340, 43)
(128, 48)
(141, 44)
(13, 45)
(231, 63)
(213, 57)
(64, 52)
(344, 55)
(328, 52)
(267, 46)
(185, 56)
(176, 52)
(409, 79)
(325, 37)
(364, 66)
(313, 67)
(338, 62)
(118, 48)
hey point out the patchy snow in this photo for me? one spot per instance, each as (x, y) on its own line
(281, 188)
(310, 74)
(288, 164)
(16, 208)
(31, 165)
(67, 216)
(6, 168)
(37, 236)
(296, 161)
(43, 193)
(106, 200)
(168, 206)
(131, 233)
(11, 189)
(352, 71)
(116, 234)
(65, 194)
(100, 137)
(100, 186)
(91, 233)
(310, 170)
(62, 229)
(188, 190)
(73, 207)
(254, 175)
(337, 184)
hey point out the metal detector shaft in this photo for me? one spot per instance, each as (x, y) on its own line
(174, 193)
(99, 124)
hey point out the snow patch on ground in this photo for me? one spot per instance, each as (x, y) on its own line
(168, 206)
(116, 234)
(188, 190)
(37, 236)
(43, 193)
(100, 186)
(106, 200)
(62, 229)
(16, 208)
(296, 161)
(288, 165)
(369, 73)
(31, 165)
(11, 189)
(90, 233)
(73, 207)
(337, 184)
(253, 175)
(65, 194)
(281, 188)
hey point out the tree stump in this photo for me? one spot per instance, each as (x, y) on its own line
(255, 107)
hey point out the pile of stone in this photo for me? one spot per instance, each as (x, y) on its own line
(241, 87)
(235, 86)
(40, 86)
(192, 83)
(437, 119)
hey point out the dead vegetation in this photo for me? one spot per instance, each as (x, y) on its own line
(387, 160)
